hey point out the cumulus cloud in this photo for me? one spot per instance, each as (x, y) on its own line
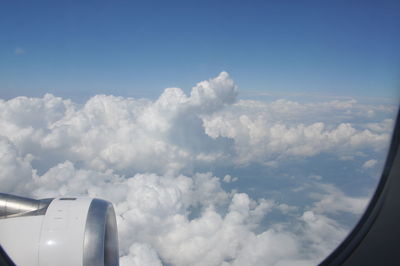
(153, 159)
(127, 135)
(179, 132)
(263, 132)
(229, 179)
(15, 168)
(141, 254)
(183, 220)
(333, 200)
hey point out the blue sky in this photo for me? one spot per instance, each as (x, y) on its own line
(137, 48)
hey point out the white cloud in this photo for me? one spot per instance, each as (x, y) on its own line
(229, 179)
(14, 168)
(179, 132)
(386, 125)
(153, 214)
(151, 159)
(333, 200)
(370, 163)
(317, 230)
(257, 138)
(140, 254)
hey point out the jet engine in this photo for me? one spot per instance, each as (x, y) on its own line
(59, 231)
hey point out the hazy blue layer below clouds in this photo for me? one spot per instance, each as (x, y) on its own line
(204, 178)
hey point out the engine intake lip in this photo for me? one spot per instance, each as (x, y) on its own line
(101, 237)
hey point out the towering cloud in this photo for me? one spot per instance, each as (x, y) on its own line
(154, 161)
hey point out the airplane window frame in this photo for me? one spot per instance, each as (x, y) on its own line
(5, 259)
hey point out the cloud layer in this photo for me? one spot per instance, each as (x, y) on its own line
(152, 159)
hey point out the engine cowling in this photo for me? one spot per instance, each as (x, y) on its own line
(59, 231)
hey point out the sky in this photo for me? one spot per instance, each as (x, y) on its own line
(224, 134)
(137, 48)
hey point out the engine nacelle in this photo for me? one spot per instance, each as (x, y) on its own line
(60, 231)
